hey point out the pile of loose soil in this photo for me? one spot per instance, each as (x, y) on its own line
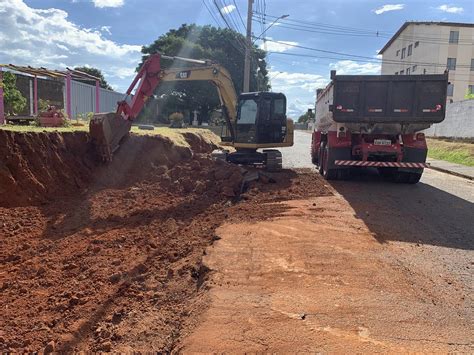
(105, 257)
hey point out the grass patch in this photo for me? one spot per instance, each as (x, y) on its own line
(454, 152)
(175, 134)
(26, 129)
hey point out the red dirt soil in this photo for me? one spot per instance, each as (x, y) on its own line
(101, 258)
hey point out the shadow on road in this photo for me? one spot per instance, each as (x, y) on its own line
(417, 213)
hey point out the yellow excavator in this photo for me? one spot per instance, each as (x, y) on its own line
(255, 120)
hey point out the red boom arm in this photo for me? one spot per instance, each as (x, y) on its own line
(149, 78)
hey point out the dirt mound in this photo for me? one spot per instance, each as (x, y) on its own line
(34, 165)
(99, 257)
(37, 168)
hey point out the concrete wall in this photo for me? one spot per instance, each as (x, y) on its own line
(459, 121)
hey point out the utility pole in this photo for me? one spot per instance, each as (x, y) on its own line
(248, 47)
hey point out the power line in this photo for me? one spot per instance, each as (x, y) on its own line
(240, 16)
(212, 14)
(351, 31)
(230, 15)
(339, 58)
(364, 57)
(239, 40)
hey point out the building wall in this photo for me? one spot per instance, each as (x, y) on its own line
(433, 47)
(459, 121)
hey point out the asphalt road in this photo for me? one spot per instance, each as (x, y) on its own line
(427, 227)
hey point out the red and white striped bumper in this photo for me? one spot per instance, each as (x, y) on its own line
(380, 164)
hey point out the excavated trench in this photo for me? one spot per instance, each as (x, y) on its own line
(105, 257)
(109, 258)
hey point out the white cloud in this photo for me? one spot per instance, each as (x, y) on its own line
(299, 88)
(451, 9)
(389, 7)
(280, 46)
(349, 67)
(106, 29)
(46, 37)
(228, 9)
(108, 3)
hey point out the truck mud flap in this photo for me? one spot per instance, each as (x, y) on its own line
(338, 154)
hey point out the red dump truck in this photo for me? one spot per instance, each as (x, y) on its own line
(375, 121)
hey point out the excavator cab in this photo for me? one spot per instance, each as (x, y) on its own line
(261, 118)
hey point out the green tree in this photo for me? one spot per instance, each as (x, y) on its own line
(97, 73)
(13, 100)
(307, 117)
(206, 42)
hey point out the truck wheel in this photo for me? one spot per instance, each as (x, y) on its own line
(322, 149)
(387, 172)
(404, 177)
(329, 174)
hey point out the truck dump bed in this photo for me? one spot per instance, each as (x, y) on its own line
(386, 98)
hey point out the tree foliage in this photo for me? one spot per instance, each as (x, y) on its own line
(223, 46)
(307, 117)
(97, 73)
(13, 100)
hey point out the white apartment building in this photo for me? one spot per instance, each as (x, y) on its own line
(431, 48)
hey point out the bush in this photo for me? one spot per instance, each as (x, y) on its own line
(13, 99)
(176, 117)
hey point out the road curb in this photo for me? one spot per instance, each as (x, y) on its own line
(450, 172)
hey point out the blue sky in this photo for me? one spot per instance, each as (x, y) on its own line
(108, 34)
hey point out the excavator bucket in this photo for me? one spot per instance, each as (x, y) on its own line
(107, 131)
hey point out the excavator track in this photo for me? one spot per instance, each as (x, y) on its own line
(273, 160)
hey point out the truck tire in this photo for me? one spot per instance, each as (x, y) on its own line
(328, 174)
(322, 149)
(388, 173)
(404, 177)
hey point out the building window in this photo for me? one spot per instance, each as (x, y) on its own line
(403, 52)
(408, 71)
(402, 72)
(410, 48)
(398, 53)
(470, 89)
(472, 64)
(417, 43)
(424, 71)
(451, 65)
(454, 37)
(414, 68)
(450, 89)
(396, 73)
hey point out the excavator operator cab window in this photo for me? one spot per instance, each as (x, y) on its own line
(271, 125)
(248, 112)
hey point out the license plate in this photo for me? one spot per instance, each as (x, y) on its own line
(382, 142)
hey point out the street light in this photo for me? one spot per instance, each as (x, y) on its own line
(246, 86)
(278, 19)
(273, 77)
